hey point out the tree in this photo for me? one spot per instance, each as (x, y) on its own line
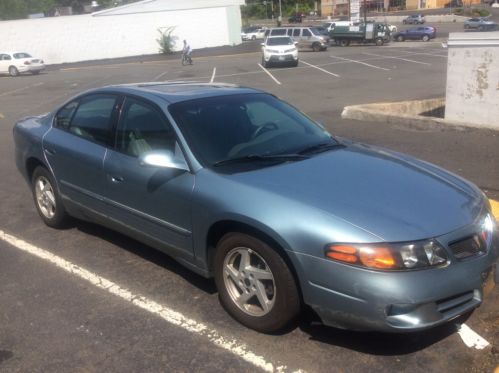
(15, 9)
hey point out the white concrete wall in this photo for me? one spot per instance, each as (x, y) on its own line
(472, 94)
(87, 37)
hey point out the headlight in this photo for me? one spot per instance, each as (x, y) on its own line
(389, 256)
(290, 50)
(488, 227)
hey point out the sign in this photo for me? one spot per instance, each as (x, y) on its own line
(354, 10)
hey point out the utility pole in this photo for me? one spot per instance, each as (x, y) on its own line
(365, 12)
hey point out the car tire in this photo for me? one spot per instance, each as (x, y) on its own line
(275, 301)
(253, 37)
(47, 200)
(316, 47)
(13, 71)
(35, 72)
(344, 43)
(379, 42)
(295, 63)
(425, 38)
(481, 28)
(400, 38)
(466, 27)
(265, 63)
(404, 22)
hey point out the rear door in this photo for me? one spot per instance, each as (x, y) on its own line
(305, 39)
(5, 60)
(75, 148)
(153, 202)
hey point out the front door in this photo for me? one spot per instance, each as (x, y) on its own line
(154, 202)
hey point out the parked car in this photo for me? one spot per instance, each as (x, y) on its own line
(253, 33)
(481, 24)
(307, 37)
(240, 186)
(15, 63)
(296, 18)
(279, 50)
(424, 33)
(414, 19)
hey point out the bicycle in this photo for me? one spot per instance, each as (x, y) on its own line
(186, 59)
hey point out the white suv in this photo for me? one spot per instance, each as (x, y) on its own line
(279, 50)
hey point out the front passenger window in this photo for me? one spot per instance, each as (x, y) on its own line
(142, 129)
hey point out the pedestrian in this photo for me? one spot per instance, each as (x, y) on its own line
(186, 53)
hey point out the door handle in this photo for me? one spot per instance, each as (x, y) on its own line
(117, 179)
(49, 151)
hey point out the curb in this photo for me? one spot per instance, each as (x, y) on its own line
(406, 113)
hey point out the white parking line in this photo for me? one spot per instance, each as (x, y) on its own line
(319, 68)
(171, 316)
(397, 58)
(157, 77)
(269, 74)
(360, 62)
(213, 75)
(471, 338)
(21, 89)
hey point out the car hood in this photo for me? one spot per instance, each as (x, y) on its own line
(395, 197)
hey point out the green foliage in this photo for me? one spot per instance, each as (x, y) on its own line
(261, 9)
(472, 12)
(15, 9)
(166, 40)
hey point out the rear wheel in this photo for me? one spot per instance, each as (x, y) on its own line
(481, 28)
(47, 200)
(13, 71)
(425, 38)
(316, 47)
(35, 72)
(253, 37)
(254, 283)
(379, 42)
(344, 42)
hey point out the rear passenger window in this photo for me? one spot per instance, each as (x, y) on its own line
(92, 119)
(306, 32)
(296, 32)
(278, 32)
(64, 115)
(290, 31)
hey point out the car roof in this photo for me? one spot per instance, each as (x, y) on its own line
(173, 92)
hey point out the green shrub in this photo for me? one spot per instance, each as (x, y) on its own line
(166, 40)
(484, 13)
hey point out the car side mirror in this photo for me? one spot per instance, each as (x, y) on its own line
(262, 44)
(163, 159)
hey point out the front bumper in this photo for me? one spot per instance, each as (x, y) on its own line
(29, 68)
(354, 298)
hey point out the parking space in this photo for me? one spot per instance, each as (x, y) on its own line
(91, 299)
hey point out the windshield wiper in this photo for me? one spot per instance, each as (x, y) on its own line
(261, 157)
(321, 147)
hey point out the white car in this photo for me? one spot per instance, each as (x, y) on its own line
(393, 29)
(279, 50)
(15, 63)
(253, 33)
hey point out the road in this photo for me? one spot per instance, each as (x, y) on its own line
(158, 316)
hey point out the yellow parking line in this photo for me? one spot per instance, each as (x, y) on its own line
(495, 208)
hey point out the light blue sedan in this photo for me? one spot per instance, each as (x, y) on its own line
(237, 185)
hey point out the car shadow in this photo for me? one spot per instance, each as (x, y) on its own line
(374, 343)
(147, 253)
(377, 343)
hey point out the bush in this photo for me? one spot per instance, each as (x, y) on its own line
(472, 12)
(166, 40)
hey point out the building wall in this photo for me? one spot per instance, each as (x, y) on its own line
(472, 94)
(90, 37)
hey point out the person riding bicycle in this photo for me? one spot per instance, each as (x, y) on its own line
(186, 52)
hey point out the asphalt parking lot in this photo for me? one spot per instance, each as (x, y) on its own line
(55, 317)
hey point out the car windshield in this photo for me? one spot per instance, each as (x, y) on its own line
(252, 126)
(250, 29)
(280, 41)
(318, 31)
(21, 55)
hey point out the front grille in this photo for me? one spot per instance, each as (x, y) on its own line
(467, 247)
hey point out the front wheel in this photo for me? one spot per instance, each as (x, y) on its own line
(47, 200)
(400, 38)
(255, 285)
(379, 42)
